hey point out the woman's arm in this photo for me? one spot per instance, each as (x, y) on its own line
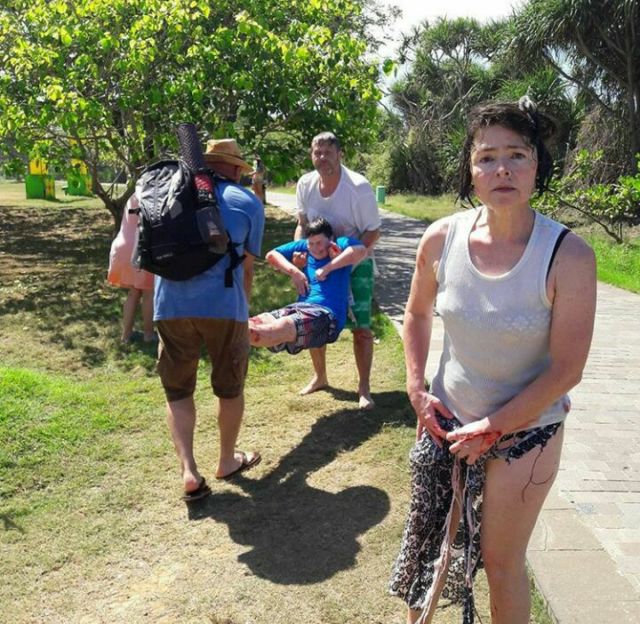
(572, 290)
(418, 319)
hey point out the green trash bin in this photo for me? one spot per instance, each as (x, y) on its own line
(380, 194)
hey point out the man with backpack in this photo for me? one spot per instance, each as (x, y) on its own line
(203, 310)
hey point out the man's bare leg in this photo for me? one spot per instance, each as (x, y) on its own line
(363, 351)
(267, 331)
(230, 412)
(320, 380)
(129, 310)
(181, 418)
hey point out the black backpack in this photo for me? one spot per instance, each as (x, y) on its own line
(175, 231)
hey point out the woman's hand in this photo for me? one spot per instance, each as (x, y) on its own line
(426, 406)
(470, 450)
(473, 440)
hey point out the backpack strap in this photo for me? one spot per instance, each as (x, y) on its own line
(559, 240)
(236, 261)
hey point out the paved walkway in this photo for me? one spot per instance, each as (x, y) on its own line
(585, 552)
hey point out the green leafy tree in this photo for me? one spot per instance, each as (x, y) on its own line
(611, 205)
(109, 79)
(447, 75)
(594, 44)
(455, 65)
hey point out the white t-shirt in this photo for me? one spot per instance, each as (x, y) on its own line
(352, 210)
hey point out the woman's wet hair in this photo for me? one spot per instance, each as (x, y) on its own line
(319, 226)
(524, 119)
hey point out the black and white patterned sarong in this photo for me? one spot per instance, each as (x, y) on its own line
(428, 548)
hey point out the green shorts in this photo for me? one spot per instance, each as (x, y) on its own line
(359, 316)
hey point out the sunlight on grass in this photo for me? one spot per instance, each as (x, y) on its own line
(421, 207)
(618, 264)
(14, 194)
(290, 189)
(42, 414)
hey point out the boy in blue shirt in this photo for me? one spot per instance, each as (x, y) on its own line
(320, 313)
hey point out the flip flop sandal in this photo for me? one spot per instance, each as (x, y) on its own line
(245, 465)
(200, 492)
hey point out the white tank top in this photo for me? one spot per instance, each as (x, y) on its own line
(496, 328)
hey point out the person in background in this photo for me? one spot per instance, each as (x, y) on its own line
(320, 313)
(139, 283)
(346, 200)
(258, 184)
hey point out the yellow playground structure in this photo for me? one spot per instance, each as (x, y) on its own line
(41, 185)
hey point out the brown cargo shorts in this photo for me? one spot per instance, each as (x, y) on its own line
(226, 342)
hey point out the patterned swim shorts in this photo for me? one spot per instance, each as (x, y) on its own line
(315, 327)
(362, 282)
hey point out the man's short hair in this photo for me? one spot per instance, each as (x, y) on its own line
(319, 226)
(326, 137)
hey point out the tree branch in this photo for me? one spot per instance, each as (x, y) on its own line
(588, 214)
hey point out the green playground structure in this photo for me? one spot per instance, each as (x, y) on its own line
(41, 185)
(78, 180)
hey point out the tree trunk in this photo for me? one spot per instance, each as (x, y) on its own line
(634, 128)
(116, 208)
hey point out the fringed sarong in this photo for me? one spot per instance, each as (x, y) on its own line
(429, 547)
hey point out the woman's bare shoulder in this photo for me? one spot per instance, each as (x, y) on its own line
(437, 231)
(574, 252)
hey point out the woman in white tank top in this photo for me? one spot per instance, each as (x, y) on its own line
(518, 310)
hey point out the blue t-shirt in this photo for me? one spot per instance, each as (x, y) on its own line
(333, 292)
(205, 295)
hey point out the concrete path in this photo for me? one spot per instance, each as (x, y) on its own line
(585, 552)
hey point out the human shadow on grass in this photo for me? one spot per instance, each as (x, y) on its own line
(298, 533)
(9, 524)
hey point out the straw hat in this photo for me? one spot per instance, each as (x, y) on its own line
(225, 150)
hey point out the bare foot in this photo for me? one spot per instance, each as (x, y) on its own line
(365, 402)
(314, 385)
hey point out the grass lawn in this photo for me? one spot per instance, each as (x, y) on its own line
(289, 190)
(91, 525)
(617, 264)
(421, 207)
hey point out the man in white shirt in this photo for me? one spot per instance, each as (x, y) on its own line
(346, 200)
